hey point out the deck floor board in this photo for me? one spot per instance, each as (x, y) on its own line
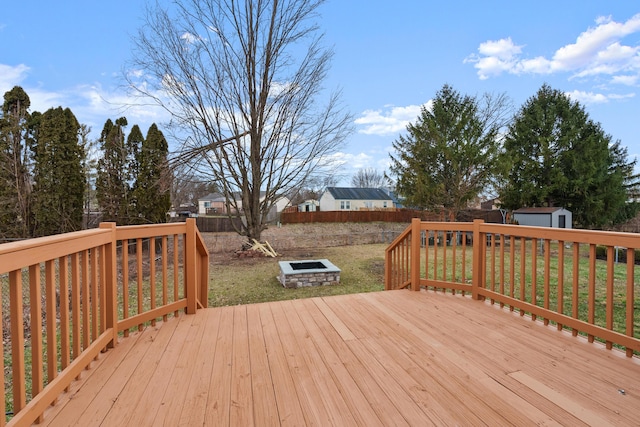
(386, 358)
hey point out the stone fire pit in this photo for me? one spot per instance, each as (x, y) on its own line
(297, 274)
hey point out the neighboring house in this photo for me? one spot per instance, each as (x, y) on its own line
(309, 206)
(185, 210)
(489, 205)
(543, 217)
(353, 199)
(215, 204)
(397, 203)
(212, 204)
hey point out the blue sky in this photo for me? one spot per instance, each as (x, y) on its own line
(390, 58)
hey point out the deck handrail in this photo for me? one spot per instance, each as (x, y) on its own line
(76, 287)
(588, 292)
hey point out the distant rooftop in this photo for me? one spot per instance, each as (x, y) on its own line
(354, 193)
(543, 210)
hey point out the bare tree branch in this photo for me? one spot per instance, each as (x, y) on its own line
(368, 178)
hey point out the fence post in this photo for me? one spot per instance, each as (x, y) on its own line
(478, 259)
(111, 283)
(415, 254)
(190, 265)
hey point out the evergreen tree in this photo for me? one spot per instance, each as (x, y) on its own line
(59, 178)
(89, 168)
(135, 144)
(112, 187)
(152, 188)
(557, 156)
(450, 153)
(15, 185)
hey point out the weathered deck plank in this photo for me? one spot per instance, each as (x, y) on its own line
(388, 358)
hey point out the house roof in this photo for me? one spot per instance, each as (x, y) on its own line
(537, 210)
(217, 197)
(212, 197)
(353, 193)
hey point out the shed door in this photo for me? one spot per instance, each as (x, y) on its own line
(562, 221)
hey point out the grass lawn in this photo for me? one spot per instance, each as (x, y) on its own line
(245, 281)
(522, 288)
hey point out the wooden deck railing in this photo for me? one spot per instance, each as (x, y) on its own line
(576, 279)
(66, 298)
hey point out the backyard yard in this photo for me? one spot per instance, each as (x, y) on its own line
(530, 273)
(250, 280)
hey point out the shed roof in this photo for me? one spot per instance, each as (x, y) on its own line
(353, 193)
(543, 210)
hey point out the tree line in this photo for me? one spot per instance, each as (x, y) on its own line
(549, 154)
(50, 182)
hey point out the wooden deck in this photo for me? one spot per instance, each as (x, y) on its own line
(388, 358)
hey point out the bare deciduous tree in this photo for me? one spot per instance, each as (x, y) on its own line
(187, 188)
(241, 80)
(368, 178)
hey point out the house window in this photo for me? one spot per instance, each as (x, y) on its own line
(345, 205)
(384, 204)
(207, 204)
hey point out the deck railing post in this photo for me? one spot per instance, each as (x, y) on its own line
(111, 283)
(204, 277)
(190, 266)
(478, 265)
(387, 270)
(415, 254)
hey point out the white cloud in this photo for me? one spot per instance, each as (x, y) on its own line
(592, 42)
(41, 99)
(11, 76)
(596, 98)
(623, 96)
(495, 57)
(190, 38)
(597, 51)
(91, 104)
(539, 65)
(355, 161)
(587, 97)
(625, 80)
(391, 120)
(503, 49)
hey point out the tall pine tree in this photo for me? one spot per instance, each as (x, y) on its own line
(558, 156)
(112, 186)
(135, 143)
(449, 155)
(15, 184)
(58, 175)
(152, 187)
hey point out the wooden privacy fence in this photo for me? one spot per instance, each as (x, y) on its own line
(384, 215)
(403, 215)
(552, 274)
(217, 224)
(66, 298)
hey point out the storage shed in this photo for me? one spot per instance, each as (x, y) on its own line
(543, 217)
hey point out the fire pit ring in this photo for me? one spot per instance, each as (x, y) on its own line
(317, 272)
